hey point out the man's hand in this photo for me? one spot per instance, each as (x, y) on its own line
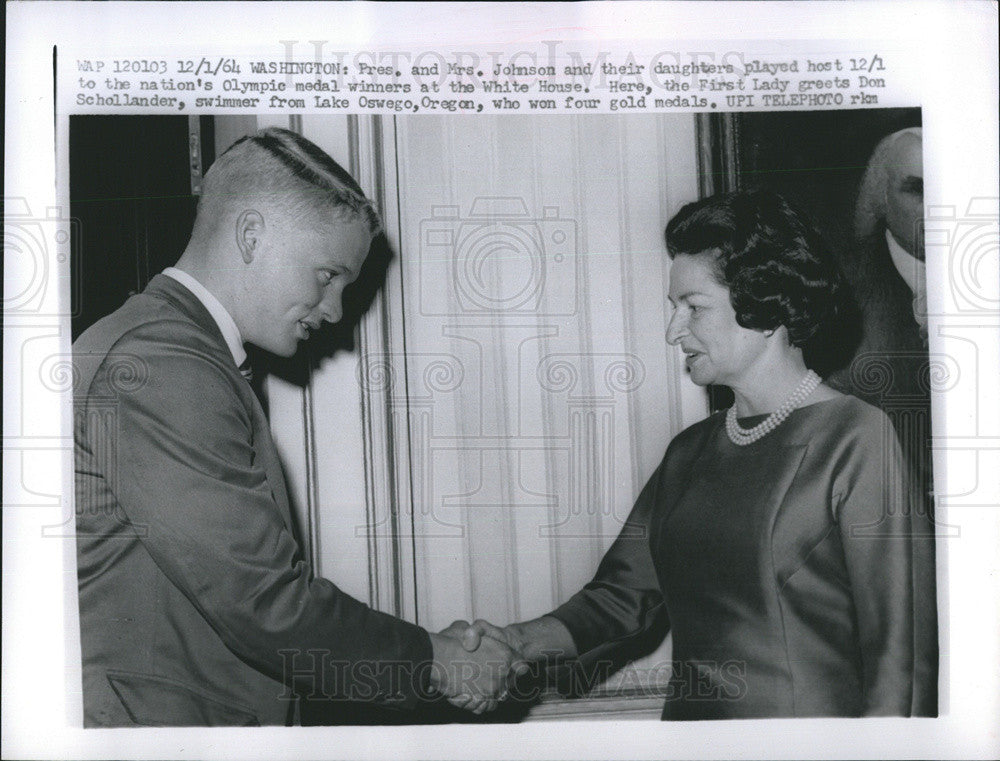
(464, 631)
(472, 635)
(537, 640)
(473, 676)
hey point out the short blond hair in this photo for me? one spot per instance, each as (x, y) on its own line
(285, 170)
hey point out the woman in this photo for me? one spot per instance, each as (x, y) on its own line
(776, 538)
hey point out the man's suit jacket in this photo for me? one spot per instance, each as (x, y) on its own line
(196, 605)
(890, 368)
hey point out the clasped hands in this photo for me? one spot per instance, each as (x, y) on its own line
(475, 664)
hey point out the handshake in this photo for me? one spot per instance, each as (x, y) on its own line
(475, 664)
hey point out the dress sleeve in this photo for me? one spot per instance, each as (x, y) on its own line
(623, 600)
(888, 552)
(180, 460)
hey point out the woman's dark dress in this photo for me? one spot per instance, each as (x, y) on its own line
(796, 574)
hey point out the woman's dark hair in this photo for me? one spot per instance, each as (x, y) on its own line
(777, 267)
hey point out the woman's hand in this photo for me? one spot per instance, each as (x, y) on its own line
(534, 640)
(473, 670)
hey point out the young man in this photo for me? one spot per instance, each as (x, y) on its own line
(197, 606)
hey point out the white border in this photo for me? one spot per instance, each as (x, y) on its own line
(954, 47)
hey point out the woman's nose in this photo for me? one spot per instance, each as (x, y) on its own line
(676, 328)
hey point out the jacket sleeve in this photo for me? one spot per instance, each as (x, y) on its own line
(623, 601)
(888, 542)
(180, 458)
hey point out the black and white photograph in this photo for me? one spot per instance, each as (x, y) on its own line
(512, 400)
(490, 426)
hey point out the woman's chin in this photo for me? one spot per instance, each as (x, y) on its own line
(699, 377)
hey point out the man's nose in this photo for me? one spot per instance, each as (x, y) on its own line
(331, 308)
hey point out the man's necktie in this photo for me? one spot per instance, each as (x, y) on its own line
(247, 371)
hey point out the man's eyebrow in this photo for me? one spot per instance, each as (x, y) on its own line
(912, 183)
(339, 269)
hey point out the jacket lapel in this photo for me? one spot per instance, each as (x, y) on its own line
(166, 287)
(264, 446)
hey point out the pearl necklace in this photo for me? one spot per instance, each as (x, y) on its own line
(741, 437)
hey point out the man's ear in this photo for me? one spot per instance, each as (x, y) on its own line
(249, 228)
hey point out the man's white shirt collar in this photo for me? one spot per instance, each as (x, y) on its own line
(227, 326)
(913, 272)
(909, 267)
